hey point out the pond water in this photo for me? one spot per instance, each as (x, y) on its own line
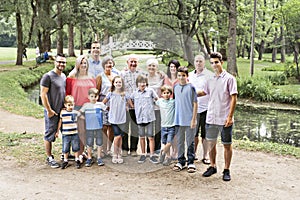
(267, 125)
(253, 123)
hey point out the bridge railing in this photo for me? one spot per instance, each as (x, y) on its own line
(130, 45)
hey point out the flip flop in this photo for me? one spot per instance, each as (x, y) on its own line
(191, 168)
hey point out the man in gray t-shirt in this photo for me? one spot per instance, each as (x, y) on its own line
(53, 86)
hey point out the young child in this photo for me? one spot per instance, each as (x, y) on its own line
(68, 126)
(143, 99)
(185, 120)
(117, 114)
(167, 112)
(93, 120)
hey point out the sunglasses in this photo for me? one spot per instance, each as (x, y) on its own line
(61, 62)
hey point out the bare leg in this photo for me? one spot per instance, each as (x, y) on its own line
(174, 153)
(110, 135)
(143, 144)
(151, 145)
(99, 150)
(212, 149)
(205, 149)
(227, 155)
(105, 138)
(48, 147)
(89, 151)
(167, 149)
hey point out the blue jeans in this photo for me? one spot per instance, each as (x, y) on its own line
(185, 134)
(167, 134)
(91, 135)
(70, 140)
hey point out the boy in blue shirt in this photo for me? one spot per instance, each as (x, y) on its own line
(185, 120)
(94, 124)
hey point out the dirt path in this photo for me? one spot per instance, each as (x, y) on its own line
(254, 176)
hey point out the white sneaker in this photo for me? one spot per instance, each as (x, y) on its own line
(114, 159)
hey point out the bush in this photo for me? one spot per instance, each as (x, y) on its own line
(278, 79)
(259, 89)
(290, 70)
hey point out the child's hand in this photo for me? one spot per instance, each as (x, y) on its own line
(193, 123)
(57, 134)
(82, 117)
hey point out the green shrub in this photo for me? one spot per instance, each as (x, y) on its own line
(290, 69)
(278, 79)
(259, 89)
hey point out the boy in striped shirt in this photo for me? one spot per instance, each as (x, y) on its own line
(68, 126)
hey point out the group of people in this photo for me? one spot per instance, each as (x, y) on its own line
(163, 112)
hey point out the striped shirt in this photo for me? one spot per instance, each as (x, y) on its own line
(69, 122)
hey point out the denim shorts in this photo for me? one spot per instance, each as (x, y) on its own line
(212, 133)
(146, 130)
(118, 129)
(167, 134)
(91, 135)
(51, 125)
(70, 140)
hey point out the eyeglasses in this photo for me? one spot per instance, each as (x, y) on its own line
(95, 47)
(61, 62)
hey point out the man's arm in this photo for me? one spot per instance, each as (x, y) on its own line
(229, 121)
(45, 101)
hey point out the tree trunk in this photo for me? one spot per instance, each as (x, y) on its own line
(206, 42)
(296, 58)
(81, 41)
(251, 55)
(261, 49)
(60, 34)
(282, 49)
(19, 38)
(71, 51)
(188, 49)
(231, 60)
(274, 50)
(33, 24)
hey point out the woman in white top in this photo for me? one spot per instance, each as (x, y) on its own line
(156, 79)
(104, 83)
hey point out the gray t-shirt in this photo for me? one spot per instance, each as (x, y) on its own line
(57, 89)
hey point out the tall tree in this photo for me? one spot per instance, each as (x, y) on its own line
(232, 18)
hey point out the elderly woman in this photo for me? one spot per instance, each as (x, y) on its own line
(104, 82)
(155, 81)
(77, 84)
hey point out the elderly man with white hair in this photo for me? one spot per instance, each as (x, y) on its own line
(129, 75)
